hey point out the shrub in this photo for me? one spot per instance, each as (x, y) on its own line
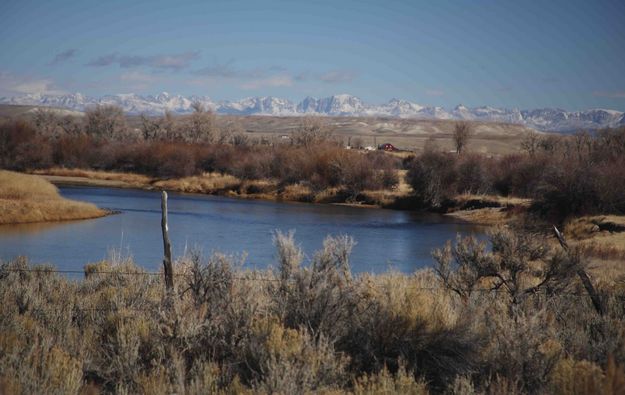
(21, 148)
(310, 327)
(473, 175)
(432, 177)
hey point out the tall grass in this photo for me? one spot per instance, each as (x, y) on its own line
(303, 327)
(28, 198)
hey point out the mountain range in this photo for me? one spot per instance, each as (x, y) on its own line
(546, 119)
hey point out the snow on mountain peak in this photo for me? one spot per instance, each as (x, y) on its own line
(550, 119)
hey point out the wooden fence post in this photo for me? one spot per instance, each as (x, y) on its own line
(167, 265)
(583, 276)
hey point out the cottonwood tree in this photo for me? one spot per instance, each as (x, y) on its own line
(234, 133)
(311, 130)
(47, 122)
(170, 127)
(71, 125)
(530, 142)
(462, 134)
(105, 121)
(150, 128)
(201, 126)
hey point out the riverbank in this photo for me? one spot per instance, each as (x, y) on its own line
(597, 239)
(28, 198)
(476, 209)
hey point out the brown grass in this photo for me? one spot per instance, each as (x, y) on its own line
(208, 183)
(487, 209)
(295, 329)
(297, 193)
(27, 198)
(124, 179)
(503, 201)
(592, 234)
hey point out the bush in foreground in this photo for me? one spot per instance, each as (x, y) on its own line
(313, 328)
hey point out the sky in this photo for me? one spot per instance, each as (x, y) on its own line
(515, 54)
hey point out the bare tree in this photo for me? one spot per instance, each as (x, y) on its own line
(71, 125)
(150, 128)
(431, 145)
(357, 142)
(583, 144)
(201, 124)
(531, 142)
(550, 143)
(238, 136)
(461, 136)
(170, 128)
(105, 121)
(311, 130)
(48, 123)
(232, 132)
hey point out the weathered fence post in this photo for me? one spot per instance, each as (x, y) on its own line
(583, 276)
(167, 265)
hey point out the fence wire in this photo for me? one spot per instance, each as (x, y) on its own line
(265, 279)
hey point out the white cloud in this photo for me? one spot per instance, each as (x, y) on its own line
(337, 76)
(272, 81)
(13, 84)
(611, 95)
(63, 56)
(137, 80)
(172, 62)
(434, 92)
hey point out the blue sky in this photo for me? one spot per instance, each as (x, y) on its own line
(524, 54)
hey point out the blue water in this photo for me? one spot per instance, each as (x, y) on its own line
(386, 239)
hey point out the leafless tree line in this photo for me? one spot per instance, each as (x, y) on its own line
(108, 122)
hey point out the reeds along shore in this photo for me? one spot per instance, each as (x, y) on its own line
(28, 198)
(514, 319)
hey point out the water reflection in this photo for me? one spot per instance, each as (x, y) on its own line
(386, 238)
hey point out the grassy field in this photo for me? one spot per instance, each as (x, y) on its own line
(409, 134)
(29, 198)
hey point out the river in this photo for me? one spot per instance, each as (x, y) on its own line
(386, 239)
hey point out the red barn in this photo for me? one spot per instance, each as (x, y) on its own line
(387, 147)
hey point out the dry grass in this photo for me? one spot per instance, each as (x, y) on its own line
(207, 183)
(483, 216)
(502, 201)
(599, 236)
(27, 198)
(297, 193)
(132, 180)
(487, 209)
(224, 184)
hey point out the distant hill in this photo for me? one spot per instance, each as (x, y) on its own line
(547, 119)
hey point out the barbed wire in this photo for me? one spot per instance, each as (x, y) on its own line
(381, 286)
(114, 272)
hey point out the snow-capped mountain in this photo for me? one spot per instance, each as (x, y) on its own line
(487, 113)
(548, 119)
(561, 120)
(257, 106)
(340, 105)
(74, 101)
(399, 108)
